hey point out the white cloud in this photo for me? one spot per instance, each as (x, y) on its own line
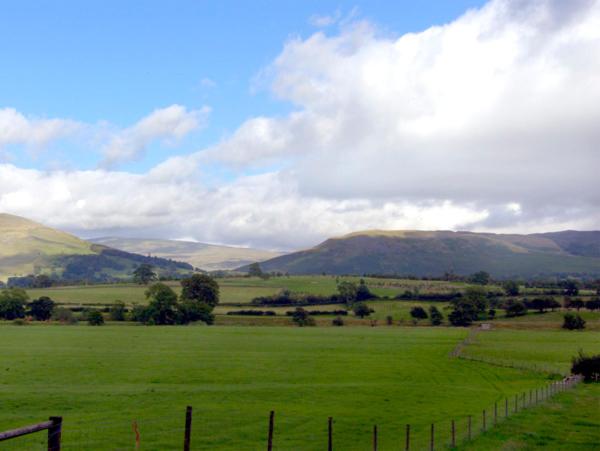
(488, 122)
(17, 129)
(171, 124)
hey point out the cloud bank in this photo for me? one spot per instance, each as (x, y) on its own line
(488, 122)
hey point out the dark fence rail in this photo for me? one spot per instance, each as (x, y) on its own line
(53, 426)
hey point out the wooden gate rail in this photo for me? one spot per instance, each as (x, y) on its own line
(53, 425)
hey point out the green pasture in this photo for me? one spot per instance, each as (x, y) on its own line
(570, 421)
(242, 289)
(101, 379)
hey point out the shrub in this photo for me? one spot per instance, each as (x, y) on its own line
(117, 311)
(20, 322)
(95, 318)
(64, 315)
(12, 303)
(302, 318)
(41, 309)
(190, 311)
(418, 313)
(435, 316)
(593, 304)
(515, 308)
(338, 321)
(389, 320)
(254, 313)
(361, 309)
(587, 366)
(573, 322)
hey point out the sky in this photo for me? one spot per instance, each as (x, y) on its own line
(280, 124)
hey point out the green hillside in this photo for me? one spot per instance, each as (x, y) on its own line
(434, 253)
(208, 257)
(27, 247)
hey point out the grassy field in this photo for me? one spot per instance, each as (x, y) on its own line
(241, 290)
(101, 379)
(568, 422)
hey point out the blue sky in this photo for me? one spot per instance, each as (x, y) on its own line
(116, 61)
(280, 124)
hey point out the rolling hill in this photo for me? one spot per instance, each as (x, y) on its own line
(420, 253)
(208, 257)
(27, 247)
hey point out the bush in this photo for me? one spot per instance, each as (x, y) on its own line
(254, 313)
(573, 322)
(64, 315)
(418, 313)
(516, 308)
(20, 322)
(435, 316)
(361, 309)
(12, 303)
(302, 318)
(389, 320)
(337, 321)
(190, 311)
(95, 318)
(41, 309)
(587, 366)
(117, 311)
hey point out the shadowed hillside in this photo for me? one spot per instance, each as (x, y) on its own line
(27, 247)
(434, 253)
(208, 257)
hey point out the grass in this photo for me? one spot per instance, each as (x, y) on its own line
(100, 379)
(567, 422)
(242, 289)
(547, 350)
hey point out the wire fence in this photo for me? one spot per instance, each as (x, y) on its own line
(283, 430)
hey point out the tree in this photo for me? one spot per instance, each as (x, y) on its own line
(573, 322)
(480, 278)
(570, 287)
(511, 288)
(469, 307)
(593, 304)
(162, 306)
(435, 316)
(95, 318)
(540, 304)
(41, 309)
(418, 313)
(515, 308)
(302, 318)
(348, 292)
(362, 292)
(200, 288)
(254, 270)
(575, 303)
(587, 366)
(144, 274)
(361, 309)
(117, 311)
(12, 303)
(190, 311)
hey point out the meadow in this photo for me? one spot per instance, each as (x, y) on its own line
(567, 422)
(241, 290)
(101, 379)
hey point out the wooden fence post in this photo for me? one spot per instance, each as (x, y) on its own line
(483, 419)
(375, 438)
(469, 427)
(407, 437)
(530, 397)
(453, 434)
(271, 423)
(330, 434)
(54, 433)
(188, 429)
(495, 413)
(432, 441)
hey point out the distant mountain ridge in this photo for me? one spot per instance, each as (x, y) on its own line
(432, 253)
(27, 247)
(208, 257)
